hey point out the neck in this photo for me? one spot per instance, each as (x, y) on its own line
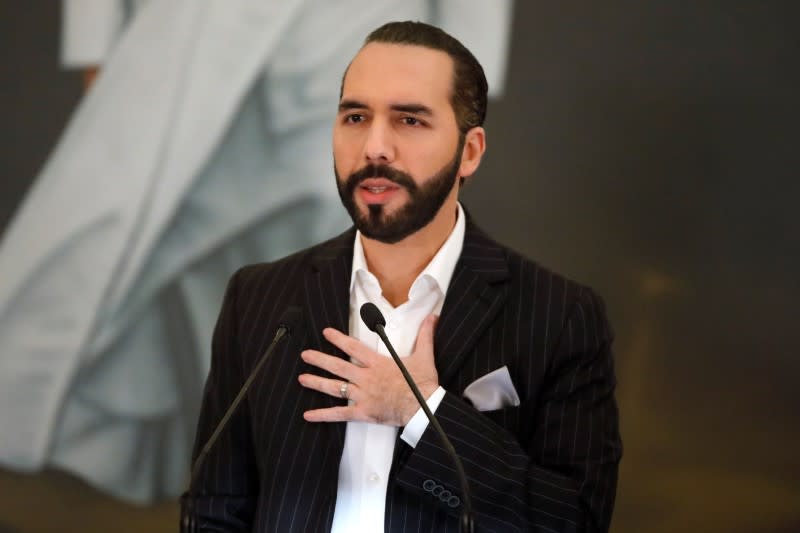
(397, 265)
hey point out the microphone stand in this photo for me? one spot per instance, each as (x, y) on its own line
(467, 523)
(188, 521)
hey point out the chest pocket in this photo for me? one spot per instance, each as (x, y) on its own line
(508, 418)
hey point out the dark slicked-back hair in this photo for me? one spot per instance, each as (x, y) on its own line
(468, 96)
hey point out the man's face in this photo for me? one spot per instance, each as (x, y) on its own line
(396, 144)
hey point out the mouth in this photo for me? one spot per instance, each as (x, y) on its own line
(377, 190)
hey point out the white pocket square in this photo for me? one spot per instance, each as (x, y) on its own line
(492, 391)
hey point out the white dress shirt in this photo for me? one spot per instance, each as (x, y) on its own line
(368, 448)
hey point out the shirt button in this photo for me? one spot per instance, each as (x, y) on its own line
(374, 478)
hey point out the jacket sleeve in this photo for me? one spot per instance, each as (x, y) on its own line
(561, 476)
(224, 492)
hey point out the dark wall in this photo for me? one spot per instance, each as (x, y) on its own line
(647, 148)
(36, 98)
(650, 150)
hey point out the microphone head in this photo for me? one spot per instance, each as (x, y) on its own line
(372, 316)
(290, 319)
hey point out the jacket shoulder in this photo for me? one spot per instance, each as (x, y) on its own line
(543, 283)
(299, 262)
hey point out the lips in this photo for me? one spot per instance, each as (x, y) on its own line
(377, 190)
(378, 183)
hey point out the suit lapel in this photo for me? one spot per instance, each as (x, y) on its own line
(327, 302)
(475, 296)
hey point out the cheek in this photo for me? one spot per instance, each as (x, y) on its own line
(425, 164)
(429, 155)
(344, 155)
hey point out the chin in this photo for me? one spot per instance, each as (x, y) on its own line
(386, 208)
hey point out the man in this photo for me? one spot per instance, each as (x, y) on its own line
(517, 367)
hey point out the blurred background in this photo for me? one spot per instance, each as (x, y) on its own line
(646, 148)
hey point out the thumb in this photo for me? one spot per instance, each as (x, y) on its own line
(425, 335)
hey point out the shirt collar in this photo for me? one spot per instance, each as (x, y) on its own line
(441, 267)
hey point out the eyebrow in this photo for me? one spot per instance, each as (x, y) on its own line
(346, 105)
(417, 109)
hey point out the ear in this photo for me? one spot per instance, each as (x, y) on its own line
(471, 154)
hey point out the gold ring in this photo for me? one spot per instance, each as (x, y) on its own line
(343, 390)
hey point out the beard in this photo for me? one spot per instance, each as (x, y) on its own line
(425, 200)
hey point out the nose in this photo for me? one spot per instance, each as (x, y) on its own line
(379, 144)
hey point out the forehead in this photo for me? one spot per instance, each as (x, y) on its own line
(399, 72)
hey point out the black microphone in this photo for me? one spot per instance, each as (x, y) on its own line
(289, 320)
(374, 320)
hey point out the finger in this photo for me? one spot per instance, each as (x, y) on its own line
(334, 365)
(331, 387)
(352, 347)
(333, 414)
(424, 340)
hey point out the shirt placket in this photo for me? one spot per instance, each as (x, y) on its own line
(373, 478)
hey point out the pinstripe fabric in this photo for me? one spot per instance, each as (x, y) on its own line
(549, 464)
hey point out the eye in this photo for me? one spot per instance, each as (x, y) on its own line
(411, 121)
(354, 118)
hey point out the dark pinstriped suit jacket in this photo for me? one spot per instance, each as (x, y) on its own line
(548, 465)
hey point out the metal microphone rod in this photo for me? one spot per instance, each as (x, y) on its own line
(188, 521)
(467, 524)
(236, 401)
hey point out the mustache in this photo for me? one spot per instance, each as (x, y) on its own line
(383, 171)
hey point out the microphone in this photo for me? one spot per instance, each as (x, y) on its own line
(289, 320)
(374, 320)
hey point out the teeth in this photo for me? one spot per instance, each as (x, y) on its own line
(376, 190)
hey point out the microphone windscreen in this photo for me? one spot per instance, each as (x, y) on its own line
(372, 316)
(290, 319)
